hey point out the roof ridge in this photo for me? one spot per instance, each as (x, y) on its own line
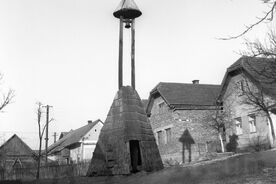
(189, 84)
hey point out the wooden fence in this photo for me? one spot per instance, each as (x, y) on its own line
(46, 172)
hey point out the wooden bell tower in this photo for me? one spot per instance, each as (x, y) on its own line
(127, 11)
(126, 142)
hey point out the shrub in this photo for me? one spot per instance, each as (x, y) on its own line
(233, 143)
(259, 143)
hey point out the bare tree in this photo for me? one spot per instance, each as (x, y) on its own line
(255, 96)
(265, 51)
(219, 121)
(267, 48)
(267, 17)
(40, 134)
(41, 130)
(6, 97)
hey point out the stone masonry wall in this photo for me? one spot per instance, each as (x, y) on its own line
(188, 122)
(233, 103)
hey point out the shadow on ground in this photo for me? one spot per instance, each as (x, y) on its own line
(230, 170)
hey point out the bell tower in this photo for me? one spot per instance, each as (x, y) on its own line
(127, 12)
(126, 142)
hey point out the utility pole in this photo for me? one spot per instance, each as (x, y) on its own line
(55, 137)
(47, 127)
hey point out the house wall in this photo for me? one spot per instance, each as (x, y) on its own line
(187, 122)
(87, 145)
(90, 141)
(233, 102)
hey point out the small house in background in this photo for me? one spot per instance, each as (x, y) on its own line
(244, 77)
(77, 145)
(15, 153)
(177, 113)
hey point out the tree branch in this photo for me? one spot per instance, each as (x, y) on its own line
(7, 99)
(268, 16)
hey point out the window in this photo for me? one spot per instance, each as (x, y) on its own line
(238, 123)
(159, 137)
(252, 123)
(240, 86)
(168, 135)
(161, 107)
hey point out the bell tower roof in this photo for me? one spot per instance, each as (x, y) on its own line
(127, 9)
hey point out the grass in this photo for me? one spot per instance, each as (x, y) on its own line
(249, 168)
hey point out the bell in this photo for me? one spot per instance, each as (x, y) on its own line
(127, 9)
(128, 23)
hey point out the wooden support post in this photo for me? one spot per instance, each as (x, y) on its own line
(133, 54)
(120, 77)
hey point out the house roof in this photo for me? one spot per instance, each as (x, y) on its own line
(177, 95)
(72, 137)
(257, 69)
(62, 134)
(16, 146)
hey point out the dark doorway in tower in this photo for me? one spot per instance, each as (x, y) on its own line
(135, 156)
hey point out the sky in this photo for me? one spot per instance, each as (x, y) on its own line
(64, 53)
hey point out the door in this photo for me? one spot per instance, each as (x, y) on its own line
(135, 155)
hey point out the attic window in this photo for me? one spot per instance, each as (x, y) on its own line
(240, 86)
(161, 107)
(162, 104)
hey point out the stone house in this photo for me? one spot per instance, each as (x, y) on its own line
(15, 153)
(76, 145)
(177, 113)
(250, 124)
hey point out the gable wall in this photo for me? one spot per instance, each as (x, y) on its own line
(233, 103)
(14, 150)
(179, 121)
(87, 145)
(90, 141)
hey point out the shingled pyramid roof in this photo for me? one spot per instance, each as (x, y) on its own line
(127, 4)
(126, 121)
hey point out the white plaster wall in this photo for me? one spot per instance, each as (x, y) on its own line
(90, 140)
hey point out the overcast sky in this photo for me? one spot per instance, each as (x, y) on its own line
(64, 53)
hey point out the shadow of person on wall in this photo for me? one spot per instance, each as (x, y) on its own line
(187, 140)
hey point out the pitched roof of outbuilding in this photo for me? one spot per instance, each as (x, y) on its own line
(257, 69)
(178, 94)
(11, 145)
(74, 136)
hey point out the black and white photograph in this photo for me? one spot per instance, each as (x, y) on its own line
(137, 92)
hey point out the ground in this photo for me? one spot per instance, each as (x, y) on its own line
(256, 168)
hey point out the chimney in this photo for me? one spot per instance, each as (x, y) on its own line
(195, 81)
(89, 121)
